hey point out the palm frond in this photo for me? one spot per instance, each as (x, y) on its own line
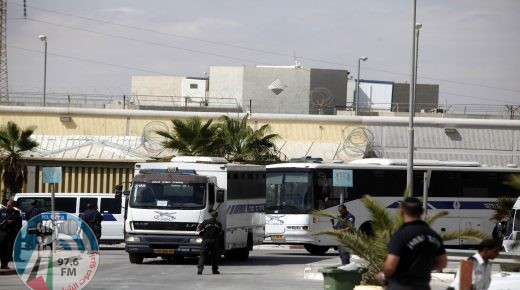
(468, 234)
(430, 219)
(502, 207)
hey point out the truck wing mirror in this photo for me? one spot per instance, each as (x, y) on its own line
(220, 195)
(126, 192)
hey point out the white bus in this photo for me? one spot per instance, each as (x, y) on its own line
(461, 188)
(169, 200)
(110, 206)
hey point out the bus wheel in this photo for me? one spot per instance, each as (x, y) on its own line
(316, 250)
(136, 258)
(241, 254)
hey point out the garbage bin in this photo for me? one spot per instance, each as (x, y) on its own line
(337, 279)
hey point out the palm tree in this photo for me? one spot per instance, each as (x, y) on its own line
(192, 137)
(14, 142)
(243, 143)
(373, 247)
(502, 208)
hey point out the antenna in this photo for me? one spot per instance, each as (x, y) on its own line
(4, 94)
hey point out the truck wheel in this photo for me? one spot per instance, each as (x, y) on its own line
(242, 254)
(316, 250)
(136, 258)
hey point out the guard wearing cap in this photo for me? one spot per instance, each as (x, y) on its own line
(210, 231)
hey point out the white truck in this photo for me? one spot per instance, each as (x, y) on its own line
(168, 200)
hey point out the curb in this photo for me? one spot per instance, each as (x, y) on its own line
(278, 247)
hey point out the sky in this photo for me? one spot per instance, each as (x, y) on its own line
(471, 48)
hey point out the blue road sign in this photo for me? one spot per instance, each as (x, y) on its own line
(342, 178)
(51, 174)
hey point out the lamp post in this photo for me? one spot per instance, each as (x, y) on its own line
(411, 105)
(43, 38)
(363, 58)
(418, 27)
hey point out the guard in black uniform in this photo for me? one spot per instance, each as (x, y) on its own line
(93, 219)
(11, 223)
(344, 255)
(210, 231)
(413, 251)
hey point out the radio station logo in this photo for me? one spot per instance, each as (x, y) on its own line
(56, 251)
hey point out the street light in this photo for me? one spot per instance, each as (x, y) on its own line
(43, 38)
(418, 27)
(363, 58)
(411, 104)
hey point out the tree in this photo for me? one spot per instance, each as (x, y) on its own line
(192, 138)
(243, 143)
(14, 142)
(372, 247)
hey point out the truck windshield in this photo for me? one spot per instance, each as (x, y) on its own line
(289, 192)
(168, 195)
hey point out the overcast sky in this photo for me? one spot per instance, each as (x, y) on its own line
(471, 48)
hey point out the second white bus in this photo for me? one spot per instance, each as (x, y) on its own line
(461, 188)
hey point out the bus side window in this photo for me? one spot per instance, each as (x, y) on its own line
(83, 201)
(66, 204)
(110, 205)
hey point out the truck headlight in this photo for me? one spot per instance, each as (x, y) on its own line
(196, 240)
(132, 239)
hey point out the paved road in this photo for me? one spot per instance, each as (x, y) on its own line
(265, 269)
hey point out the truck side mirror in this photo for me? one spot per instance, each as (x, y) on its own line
(220, 195)
(126, 192)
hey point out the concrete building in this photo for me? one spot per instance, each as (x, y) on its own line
(261, 89)
(280, 89)
(383, 96)
(168, 91)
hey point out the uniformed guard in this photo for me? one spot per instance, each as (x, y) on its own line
(11, 223)
(344, 216)
(210, 231)
(414, 251)
(93, 219)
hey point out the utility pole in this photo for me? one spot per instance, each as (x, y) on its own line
(4, 93)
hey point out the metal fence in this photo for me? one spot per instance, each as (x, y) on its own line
(177, 103)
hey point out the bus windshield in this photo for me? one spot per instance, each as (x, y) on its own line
(289, 192)
(168, 195)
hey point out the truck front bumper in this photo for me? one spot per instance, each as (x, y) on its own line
(162, 245)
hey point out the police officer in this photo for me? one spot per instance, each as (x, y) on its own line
(12, 223)
(344, 216)
(210, 231)
(414, 251)
(93, 219)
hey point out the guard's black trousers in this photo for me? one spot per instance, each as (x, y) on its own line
(209, 245)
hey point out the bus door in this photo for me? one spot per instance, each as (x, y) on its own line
(326, 198)
(444, 195)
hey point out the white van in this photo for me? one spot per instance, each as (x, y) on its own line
(111, 208)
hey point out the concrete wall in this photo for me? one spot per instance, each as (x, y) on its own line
(473, 139)
(156, 90)
(226, 83)
(328, 90)
(293, 83)
(426, 97)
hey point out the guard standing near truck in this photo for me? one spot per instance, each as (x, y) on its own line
(210, 231)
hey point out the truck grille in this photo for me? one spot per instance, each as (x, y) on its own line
(165, 226)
